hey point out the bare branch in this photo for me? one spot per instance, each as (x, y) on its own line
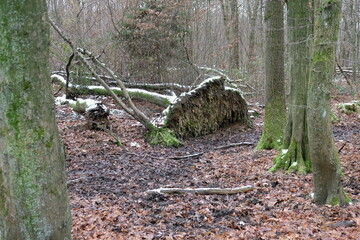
(221, 191)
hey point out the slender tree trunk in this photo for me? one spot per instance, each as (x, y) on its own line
(235, 34)
(296, 158)
(353, 40)
(253, 16)
(325, 159)
(230, 14)
(275, 113)
(33, 196)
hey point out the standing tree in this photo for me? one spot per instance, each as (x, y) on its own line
(153, 34)
(230, 12)
(325, 160)
(300, 25)
(33, 196)
(275, 110)
(253, 15)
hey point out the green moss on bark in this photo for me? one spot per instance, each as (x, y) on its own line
(3, 208)
(275, 109)
(325, 160)
(274, 123)
(31, 159)
(292, 160)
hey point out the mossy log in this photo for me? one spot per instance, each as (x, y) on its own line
(206, 109)
(152, 97)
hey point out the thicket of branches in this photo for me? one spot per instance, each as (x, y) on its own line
(163, 41)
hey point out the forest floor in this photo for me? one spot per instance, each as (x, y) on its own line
(107, 185)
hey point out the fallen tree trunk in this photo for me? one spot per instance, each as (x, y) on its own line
(145, 86)
(155, 134)
(221, 191)
(155, 98)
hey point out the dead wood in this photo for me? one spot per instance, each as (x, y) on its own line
(186, 156)
(221, 191)
(98, 116)
(146, 86)
(206, 109)
(234, 145)
(346, 78)
(152, 97)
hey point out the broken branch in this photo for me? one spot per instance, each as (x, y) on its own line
(221, 191)
(233, 145)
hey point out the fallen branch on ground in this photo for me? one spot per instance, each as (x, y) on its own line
(201, 190)
(187, 156)
(233, 145)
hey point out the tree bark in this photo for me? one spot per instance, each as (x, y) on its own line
(230, 14)
(33, 196)
(296, 158)
(325, 159)
(275, 113)
(253, 13)
(235, 35)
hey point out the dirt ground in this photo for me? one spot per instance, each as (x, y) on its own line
(107, 184)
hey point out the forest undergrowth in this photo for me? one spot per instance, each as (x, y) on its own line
(107, 184)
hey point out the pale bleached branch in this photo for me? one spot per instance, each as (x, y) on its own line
(221, 191)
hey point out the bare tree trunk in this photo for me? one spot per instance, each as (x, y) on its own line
(34, 203)
(300, 20)
(253, 13)
(325, 160)
(235, 35)
(230, 14)
(275, 113)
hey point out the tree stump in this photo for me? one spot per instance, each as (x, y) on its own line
(97, 117)
(206, 109)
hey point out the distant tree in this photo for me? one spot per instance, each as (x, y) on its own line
(300, 27)
(34, 202)
(253, 15)
(153, 34)
(230, 13)
(275, 111)
(325, 160)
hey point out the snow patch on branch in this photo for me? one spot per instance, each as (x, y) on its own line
(87, 103)
(170, 98)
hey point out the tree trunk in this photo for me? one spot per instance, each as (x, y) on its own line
(275, 115)
(253, 16)
(33, 196)
(296, 158)
(152, 97)
(235, 35)
(325, 159)
(230, 14)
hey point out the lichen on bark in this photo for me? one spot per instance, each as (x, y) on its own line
(325, 159)
(32, 161)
